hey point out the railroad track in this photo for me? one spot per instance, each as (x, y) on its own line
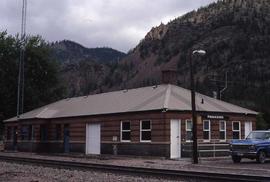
(171, 174)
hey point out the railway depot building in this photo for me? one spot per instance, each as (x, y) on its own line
(148, 121)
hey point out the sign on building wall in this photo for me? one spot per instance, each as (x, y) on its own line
(215, 117)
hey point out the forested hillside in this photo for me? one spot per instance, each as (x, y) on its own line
(83, 70)
(69, 52)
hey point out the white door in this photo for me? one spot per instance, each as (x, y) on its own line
(248, 128)
(92, 139)
(175, 139)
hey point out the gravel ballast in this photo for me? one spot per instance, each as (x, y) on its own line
(13, 172)
(218, 165)
(213, 165)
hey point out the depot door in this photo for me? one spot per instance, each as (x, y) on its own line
(66, 138)
(15, 137)
(248, 128)
(93, 139)
(175, 139)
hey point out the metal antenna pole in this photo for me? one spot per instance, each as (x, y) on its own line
(19, 88)
(23, 56)
(20, 92)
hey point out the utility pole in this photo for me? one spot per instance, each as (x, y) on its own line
(193, 104)
(20, 91)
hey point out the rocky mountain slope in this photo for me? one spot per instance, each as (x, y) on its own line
(236, 36)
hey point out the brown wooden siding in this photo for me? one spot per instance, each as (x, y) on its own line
(110, 126)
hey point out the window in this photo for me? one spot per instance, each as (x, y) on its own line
(189, 126)
(43, 132)
(125, 131)
(236, 130)
(145, 131)
(206, 130)
(222, 130)
(58, 132)
(24, 132)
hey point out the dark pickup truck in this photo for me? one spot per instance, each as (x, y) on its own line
(255, 146)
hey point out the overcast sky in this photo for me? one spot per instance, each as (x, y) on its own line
(119, 24)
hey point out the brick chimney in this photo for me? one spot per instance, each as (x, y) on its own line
(169, 77)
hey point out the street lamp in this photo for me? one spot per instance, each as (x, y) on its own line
(193, 106)
(199, 52)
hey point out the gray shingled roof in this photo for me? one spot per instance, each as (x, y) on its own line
(169, 97)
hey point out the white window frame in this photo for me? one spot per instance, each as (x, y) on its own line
(190, 130)
(141, 130)
(209, 131)
(224, 130)
(239, 124)
(121, 131)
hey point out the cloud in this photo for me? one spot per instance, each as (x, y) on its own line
(119, 24)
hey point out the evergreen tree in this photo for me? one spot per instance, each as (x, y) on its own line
(42, 84)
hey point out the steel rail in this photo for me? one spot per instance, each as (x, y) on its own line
(164, 173)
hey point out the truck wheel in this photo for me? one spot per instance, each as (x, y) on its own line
(236, 159)
(261, 157)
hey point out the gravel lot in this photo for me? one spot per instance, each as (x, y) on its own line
(26, 173)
